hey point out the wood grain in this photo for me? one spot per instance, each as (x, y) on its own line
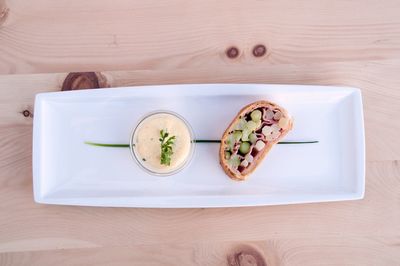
(303, 251)
(350, 43)
(148, 35)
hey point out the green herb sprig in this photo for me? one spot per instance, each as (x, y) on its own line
(166, 147)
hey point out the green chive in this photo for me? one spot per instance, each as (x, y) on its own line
(196, 141)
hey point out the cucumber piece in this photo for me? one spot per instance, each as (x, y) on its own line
(245, 134)
(253, 138)
(256, 115)
(241, 124)
(251, 125)
(237, 135)
(230, 142)
(234, 161)
(244, 147)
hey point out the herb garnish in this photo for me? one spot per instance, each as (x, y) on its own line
(196, 141)
(166, 147)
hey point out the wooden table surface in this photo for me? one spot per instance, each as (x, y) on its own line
(354, 43)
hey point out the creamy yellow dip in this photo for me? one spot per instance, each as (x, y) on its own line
(148, 147)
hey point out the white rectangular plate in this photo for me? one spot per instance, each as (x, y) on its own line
(67, 171)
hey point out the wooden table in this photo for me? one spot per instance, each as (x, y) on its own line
(354, 43)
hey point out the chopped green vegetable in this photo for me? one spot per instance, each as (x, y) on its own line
(227, 155)
(240, 124)
(237, 134)
(234, 161)
(245, 134)
(230, 141)
(244, 147)
(256, 115)
(251, 125)
(253, 138)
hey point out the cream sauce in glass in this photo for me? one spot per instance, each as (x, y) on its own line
(146, 146)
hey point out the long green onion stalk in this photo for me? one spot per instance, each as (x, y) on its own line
(196, 141)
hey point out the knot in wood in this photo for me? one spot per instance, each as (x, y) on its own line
(232, 52)
(259, 50)
(4, 11)
(26, 113)
(83, 80)
(246, 256)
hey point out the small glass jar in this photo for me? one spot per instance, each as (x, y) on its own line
(145, 142)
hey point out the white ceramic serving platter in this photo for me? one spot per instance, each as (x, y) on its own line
(67, 171)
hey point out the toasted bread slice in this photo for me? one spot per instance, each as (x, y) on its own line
(250, 136)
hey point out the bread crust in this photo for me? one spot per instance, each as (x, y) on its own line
(236, 175)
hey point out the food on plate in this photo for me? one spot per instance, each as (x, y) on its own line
(250, 136)
(162, 143)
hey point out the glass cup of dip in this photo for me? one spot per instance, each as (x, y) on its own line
(145, 144)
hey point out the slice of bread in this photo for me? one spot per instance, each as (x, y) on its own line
(240, 157)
